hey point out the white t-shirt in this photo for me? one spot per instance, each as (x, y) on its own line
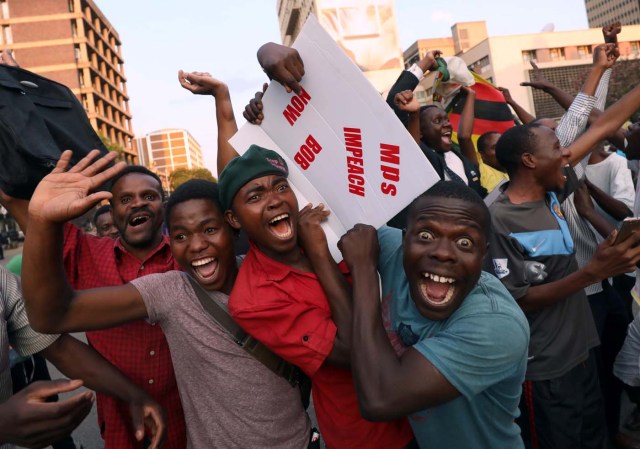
(455, 164)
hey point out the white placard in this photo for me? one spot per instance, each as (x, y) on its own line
(343, 144)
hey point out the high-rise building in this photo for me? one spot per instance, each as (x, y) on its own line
(72, 42)
(365, 29)
(167, 150)
(605, 12)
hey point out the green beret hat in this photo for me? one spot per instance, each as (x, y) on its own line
(255, 163)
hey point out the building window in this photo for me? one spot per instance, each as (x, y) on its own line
(585, 51)
(635, 47)
(76, 51)
(556, 54)
(7, 37)
(4, 9)
(71, 5)
(529, 55)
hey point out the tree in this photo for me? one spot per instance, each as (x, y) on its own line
(182, 175)
(111, 146)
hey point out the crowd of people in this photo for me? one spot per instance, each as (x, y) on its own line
(492, 312)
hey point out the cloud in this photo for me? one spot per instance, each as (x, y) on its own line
(441, 16)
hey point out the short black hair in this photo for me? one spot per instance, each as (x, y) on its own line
(482, 140)
(194, 189)
(515, 142)
(459, 191)
(101, 210)
(137, 169)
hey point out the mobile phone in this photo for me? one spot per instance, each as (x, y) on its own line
(626, 228)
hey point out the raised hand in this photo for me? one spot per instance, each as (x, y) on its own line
(605, 55)
(359, 246)
(201, 83)
(538, 80)
(27, 420)
(507, 95)
(282, 64)
(253, 111)
(407, 101)
(610, 32)
(63, 195)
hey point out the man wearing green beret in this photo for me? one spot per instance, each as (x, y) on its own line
(292, 296)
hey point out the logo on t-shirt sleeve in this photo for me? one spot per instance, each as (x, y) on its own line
(500, 267)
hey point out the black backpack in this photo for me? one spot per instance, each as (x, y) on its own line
(39, 119)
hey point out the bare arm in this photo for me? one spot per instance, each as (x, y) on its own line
(522, 114)
(584, 206)
(313, 240)
(51, 303)
(79, 361)
(388, 386)
(616, 208)
(609, 260)
(465, 129)
(202, 83)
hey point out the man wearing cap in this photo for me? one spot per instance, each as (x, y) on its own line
(291, 295)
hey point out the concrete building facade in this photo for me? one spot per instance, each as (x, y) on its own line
(563, 57)
(167, 150)
(605, 12)
(72, 42)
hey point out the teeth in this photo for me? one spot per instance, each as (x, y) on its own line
(200, 262)
(440, 279)
(279, 217)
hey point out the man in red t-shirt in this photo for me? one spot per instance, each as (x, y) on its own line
(294, 299)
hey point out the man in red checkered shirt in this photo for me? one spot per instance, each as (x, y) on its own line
(138, 349)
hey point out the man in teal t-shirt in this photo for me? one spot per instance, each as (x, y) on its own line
(455, 355)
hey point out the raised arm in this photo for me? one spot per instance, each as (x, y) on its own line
(202, 83)
(408, 80)
(51, 303)
(314, 242)
(465, 128)
(522, 114)
(77, 360)
(407, 102)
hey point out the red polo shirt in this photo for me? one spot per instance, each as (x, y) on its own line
(287, 310)
(138, 349)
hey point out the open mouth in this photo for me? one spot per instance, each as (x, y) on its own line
(280, 226)
(437, 290)
(205, 268)
(139, 220)
(446, 137)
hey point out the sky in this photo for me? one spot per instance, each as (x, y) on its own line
(159, 37)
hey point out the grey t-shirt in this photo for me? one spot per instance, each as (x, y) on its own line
(230, 399)
(531, 245)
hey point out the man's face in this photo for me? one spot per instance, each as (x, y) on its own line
(549, 160)
(436, 129)
(549, 123)
(105, 226)
(632, 134)
(444, 246)
(202, 243)
(137, 209)
(489, 153)
(267, 209)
